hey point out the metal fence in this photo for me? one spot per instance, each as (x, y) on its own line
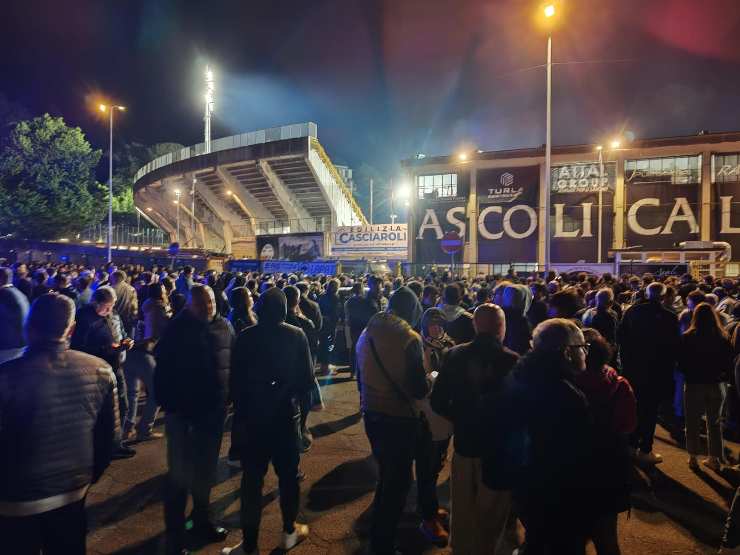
(280, 227)
(125, 235)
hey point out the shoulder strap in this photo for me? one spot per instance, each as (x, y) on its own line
(397, 388)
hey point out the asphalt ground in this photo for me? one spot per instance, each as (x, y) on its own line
(675, 511)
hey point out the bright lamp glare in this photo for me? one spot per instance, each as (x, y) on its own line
(103, 107)
(462, 156)
(404, 191)
(616, 144)
(549, 10)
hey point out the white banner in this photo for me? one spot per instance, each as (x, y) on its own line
(371, 241)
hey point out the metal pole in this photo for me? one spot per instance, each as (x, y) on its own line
(192, 210)
(178, 216)
(110, 189)
(548, 149)
(601, 199)
(371, 201)
(393, 211)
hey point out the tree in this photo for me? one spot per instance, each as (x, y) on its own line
(48, 188)
(127, 160)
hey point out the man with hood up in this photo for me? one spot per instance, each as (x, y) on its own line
(392, 379)
(459, 321)
(272, 369)
(516, 300)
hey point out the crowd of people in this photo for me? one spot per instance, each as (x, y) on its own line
(548, 387)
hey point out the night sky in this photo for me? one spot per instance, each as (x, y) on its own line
(383, 79)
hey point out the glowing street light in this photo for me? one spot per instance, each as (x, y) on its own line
(177, 202)
(110, 109)
(549, 10)
(462, 157)
(210, 88)
(616, 143)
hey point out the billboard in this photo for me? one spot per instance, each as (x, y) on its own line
(725, 220)
(371, 241)
(581, 195)
(508, 200)
(296, 247)
(662, 201)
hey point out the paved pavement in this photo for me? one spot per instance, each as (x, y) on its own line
(676, 511)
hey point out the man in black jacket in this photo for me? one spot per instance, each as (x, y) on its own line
(190, 383)
(648, 339)
(272, 370)
(472, 372)
(58, 421)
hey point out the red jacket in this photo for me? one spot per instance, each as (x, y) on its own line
(608, 392)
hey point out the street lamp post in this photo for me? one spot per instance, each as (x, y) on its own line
(549, 14)
(110, 109)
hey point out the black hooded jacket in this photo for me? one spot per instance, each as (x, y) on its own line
(271, 367)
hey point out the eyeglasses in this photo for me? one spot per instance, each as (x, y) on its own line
(584, 346)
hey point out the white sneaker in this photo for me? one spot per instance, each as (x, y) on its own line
(649, 458)
(237, 550)
(300, 533)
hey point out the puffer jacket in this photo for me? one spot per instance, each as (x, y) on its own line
(193, 360)
(94, 335)
(13, 311)
(58, 420)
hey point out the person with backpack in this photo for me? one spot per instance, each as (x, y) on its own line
(272, 370)
(613, 407)
(471, 373)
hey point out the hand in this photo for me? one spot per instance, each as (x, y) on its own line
(127, 343)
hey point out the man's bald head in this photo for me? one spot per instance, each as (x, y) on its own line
(489, 319)
(202, 302)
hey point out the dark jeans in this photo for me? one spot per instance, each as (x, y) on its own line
(648, 402)
(122, 394)
(429, 459)
(393, 442)
(327, 335)
(731, 537)
(551, 532)
(139, 370)
(193, 446)
(58, 532)
(278, 446)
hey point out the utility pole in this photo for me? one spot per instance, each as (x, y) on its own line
(371, 201)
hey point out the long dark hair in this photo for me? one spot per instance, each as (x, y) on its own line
(705, 322)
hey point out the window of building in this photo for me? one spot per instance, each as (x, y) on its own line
(725, 168)
(678, 170)
(437, 186)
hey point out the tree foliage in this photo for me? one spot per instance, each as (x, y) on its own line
(48, 187)
(127, 160)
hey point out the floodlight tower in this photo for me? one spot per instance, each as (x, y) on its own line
(208, 108)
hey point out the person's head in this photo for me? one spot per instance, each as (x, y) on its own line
(451, 295)
(271, 307)
(51, 319)
(704, 321)
(600, 352)
(240, 300)
(516, 298)
(416, 287)
(655, 291)
(711, 299)
(61, 281)
(20, 270)
(119, 276)
(539, 291)
(404, 304)
(430, 294)
(482, 295)
(397, 283)
(201, 302)
(187, 271)
(635, 283)
(357, 289)
(84, 281)
(604, 298)
(489, 319)
(40, 276)
(332, 286)
(374, 283)
(563, 304)
(292, 297)
(694, 299)
(719, 292)
(433, 323)
(156, 292)
(6, 276)
(302, 287)
(103, 300)
(670, 296)
(562, 337)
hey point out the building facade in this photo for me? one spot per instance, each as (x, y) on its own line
(649, 194)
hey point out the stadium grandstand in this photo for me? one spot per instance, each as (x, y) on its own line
(272, 181)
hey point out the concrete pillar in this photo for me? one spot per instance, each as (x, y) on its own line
(470, 254)
(619, 204)
(705, 197)
(541, 218)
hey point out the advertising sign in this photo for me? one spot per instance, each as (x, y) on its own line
(371, 241)
(310, 268)
(725, 221)
(578, 192)
(296, 247)
(508, 200)
(662, 201)
(432, 221)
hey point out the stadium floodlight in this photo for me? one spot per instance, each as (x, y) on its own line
(463, 156)
(210, 87)
(110, 109)
(404, 191)
(599, 148)
(616, 143)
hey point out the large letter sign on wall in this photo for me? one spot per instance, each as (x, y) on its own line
(575, 193)
(725, 221)
(440, 208)
(662, 197)
(508, 199)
